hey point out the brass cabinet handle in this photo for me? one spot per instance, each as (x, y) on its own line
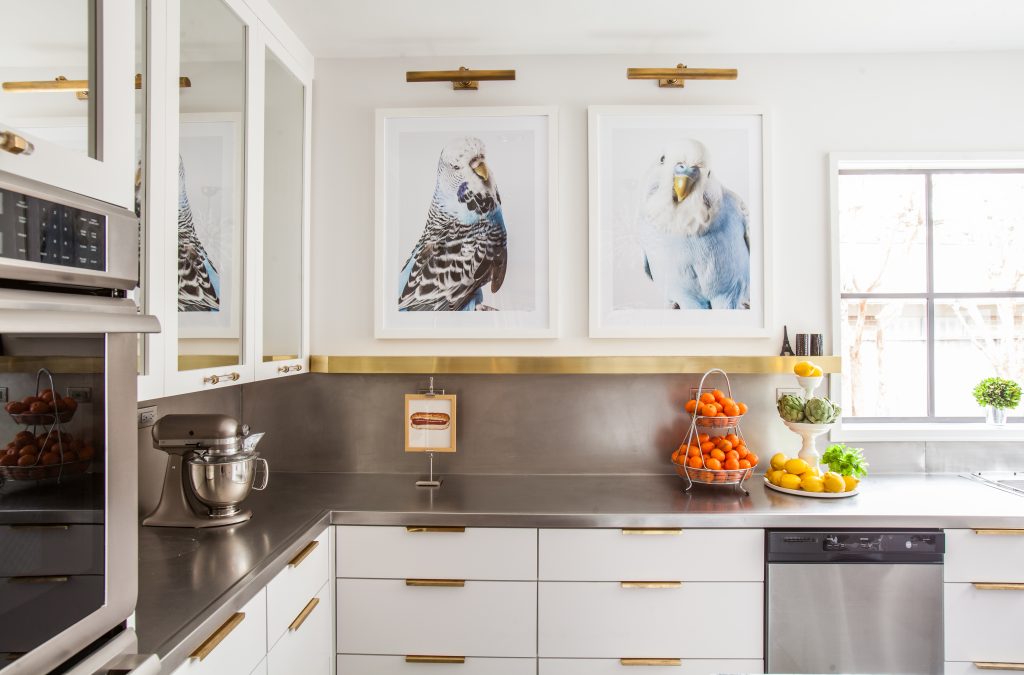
(205, 649)
(216, 379)
(435, 529)
(992, 665)
(51, 579)
(288, 369)
(304, 614)
(423, 658)
(650, 662)
(15, 144)
(1000, 532)
(651, 584)
(652, 530)
(436, 583)
(998, 587)
(303, 554)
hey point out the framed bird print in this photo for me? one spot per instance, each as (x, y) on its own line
(464, 223)
(680, 237)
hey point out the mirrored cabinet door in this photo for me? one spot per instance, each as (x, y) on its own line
(283, 315)
(210, 190)
(66, 82)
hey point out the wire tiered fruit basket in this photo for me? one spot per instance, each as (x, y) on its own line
(710, 434)
(43, 449)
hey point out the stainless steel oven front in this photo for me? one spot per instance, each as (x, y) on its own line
(68, 478)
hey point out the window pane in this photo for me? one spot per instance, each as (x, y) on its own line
(979, 232)
(975, 339)
(884, 358)
(882, 233)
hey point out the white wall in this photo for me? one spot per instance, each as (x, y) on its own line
(820, 104)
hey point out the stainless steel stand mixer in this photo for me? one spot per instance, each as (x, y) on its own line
(211, 467)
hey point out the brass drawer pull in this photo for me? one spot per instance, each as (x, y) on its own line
(651, 584)
(15, 144)
(217, 379)
(288, 369)
(984, 665)
(423, 658)
(52, 579)
(435, 529)
(303, 554)
(999, 587)
(652, 530)
(1000, 532)
(650, 662)
(436, 583)
(205, 649)
(304, 614)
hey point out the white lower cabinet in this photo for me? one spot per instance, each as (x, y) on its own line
(305, 646)
(294, 586)
(676, 667)
(971, 668)
(236, 647)
(468, 618)
(352, 664)
(707, 620)
(983, 622)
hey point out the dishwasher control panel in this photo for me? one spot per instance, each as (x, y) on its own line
(855, 545)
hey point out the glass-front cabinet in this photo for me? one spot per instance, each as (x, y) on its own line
(66, 82)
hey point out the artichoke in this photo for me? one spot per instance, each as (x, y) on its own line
(821, 411)
(791, 408)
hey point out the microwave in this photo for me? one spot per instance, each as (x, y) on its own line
(69, 344)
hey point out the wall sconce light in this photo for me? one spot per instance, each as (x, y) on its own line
(462, 79)
(676, 77)
(79, 87)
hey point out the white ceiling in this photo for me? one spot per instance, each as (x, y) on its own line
(383, 28)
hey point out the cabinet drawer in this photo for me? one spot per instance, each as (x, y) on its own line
(616, 667)
(306, 648)
(984, 555)
(605, 620)
(27, 607)
(983, 625)
(680, 555)
(242, 647)
(292, 588)
(481, 618)
(397, 665)
(50, 550)
(969, 668)
(453, 553)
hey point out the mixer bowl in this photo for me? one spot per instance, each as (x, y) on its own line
(221, 483)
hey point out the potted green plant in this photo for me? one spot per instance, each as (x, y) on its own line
(997, 395)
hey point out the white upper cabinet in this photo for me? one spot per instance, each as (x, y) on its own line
(66, 102)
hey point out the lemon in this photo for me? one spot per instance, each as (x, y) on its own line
(833, 482)
(805, 369)
(779, 460)
(816, 372)
(851, 483)
(796, 466)
(789, 481)
(811, 471)
(775, 476)
(812, 484)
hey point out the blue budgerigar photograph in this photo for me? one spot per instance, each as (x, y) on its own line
(694, 232)
(198, 279)
(461, 257)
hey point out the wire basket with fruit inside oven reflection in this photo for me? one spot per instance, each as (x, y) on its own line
(714, 451)
(43, 449)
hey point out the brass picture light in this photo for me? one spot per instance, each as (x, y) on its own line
(676, 77)
(462, 79)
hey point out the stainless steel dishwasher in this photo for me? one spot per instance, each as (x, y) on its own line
(854, 601)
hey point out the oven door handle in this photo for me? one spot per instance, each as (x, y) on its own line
(41, 312)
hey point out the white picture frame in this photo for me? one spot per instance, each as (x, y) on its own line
(222, 158)
(624, 144)
(520, 148)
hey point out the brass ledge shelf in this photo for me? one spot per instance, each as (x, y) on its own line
(564, 365)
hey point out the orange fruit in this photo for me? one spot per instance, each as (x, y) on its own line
(693, 451)
(731, 464)
(742, 451)
(707, 398)
(713, 464)
(726, 446)
(675, 456)
(733, 438)
(707, 446)
(744, 464)
(742, 407)
(732, 410)
(726, 401)
(695, 462)
(718, 394)
(703, 438)
(752, 458)
(690, 406)
(731, 454)
(717, 454)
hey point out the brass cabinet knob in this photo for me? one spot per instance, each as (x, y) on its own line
(15, 144)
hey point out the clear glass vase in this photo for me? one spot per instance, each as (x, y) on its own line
(995, 416)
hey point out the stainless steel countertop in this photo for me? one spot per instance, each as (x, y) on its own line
(190, 581)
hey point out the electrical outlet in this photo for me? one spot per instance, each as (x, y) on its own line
(147, 416)
(782, 391)
(3, 394)
(80, 394)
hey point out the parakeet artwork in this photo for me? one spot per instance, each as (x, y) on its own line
(694, 232)
(198, 279)
(463, 247)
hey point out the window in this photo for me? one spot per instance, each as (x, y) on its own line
(931, 281)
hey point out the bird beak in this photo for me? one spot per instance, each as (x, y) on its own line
(481, 170)
(681, 186)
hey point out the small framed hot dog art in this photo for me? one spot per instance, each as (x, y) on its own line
(430, 423)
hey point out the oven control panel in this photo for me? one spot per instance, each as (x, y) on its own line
(40, 231)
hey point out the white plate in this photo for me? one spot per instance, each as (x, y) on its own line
(816, 495)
